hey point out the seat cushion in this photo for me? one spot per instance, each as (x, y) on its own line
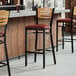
(1, 34)
(64, 20)
(38, 26)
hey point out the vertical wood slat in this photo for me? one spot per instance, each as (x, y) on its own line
(28, 36)
(31, 36)
(2, 54)
(14, 37)
(9, 39)
(20, 36)
(47, 36)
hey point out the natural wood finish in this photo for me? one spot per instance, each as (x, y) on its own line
(4, 17)
(45, 12)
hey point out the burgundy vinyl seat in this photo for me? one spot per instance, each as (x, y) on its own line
(64, 20)
(38, 26)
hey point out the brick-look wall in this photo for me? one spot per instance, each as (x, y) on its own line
(69, 4)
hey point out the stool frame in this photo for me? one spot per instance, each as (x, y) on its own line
(63, 29)
(36, 52)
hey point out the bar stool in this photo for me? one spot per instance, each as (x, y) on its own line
(4, 15)
(71, 22)
(41, 13)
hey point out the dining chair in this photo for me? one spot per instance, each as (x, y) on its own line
(66, 22)
(41, 13)
(4, 15)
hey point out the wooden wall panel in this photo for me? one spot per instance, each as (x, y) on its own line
(40, 36)
(28, 36)
(54, 29)
(47, 36)
(2, 54)
(31, 36)
(2, 46)
(14, 38)
(68, 6)
(20, 35)
(9, 38)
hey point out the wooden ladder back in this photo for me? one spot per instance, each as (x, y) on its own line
(44, 12)
(4, 17)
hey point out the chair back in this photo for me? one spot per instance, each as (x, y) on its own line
(4, 17)
(45, 13)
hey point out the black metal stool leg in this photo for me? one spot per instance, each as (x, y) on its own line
(44, 48)
(51, 38)
(6, 54)
(72, 40)
(35, 45)
(63, 36)
(25, 47)
(18, 57)
(57, 36)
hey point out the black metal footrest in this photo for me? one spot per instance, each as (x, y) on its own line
(37, 52)
(39, 49)
(48, 50)
(65, 40)
(3, 64)
(45, 49)
(69, 39)
(38, 32)
(1, 42)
